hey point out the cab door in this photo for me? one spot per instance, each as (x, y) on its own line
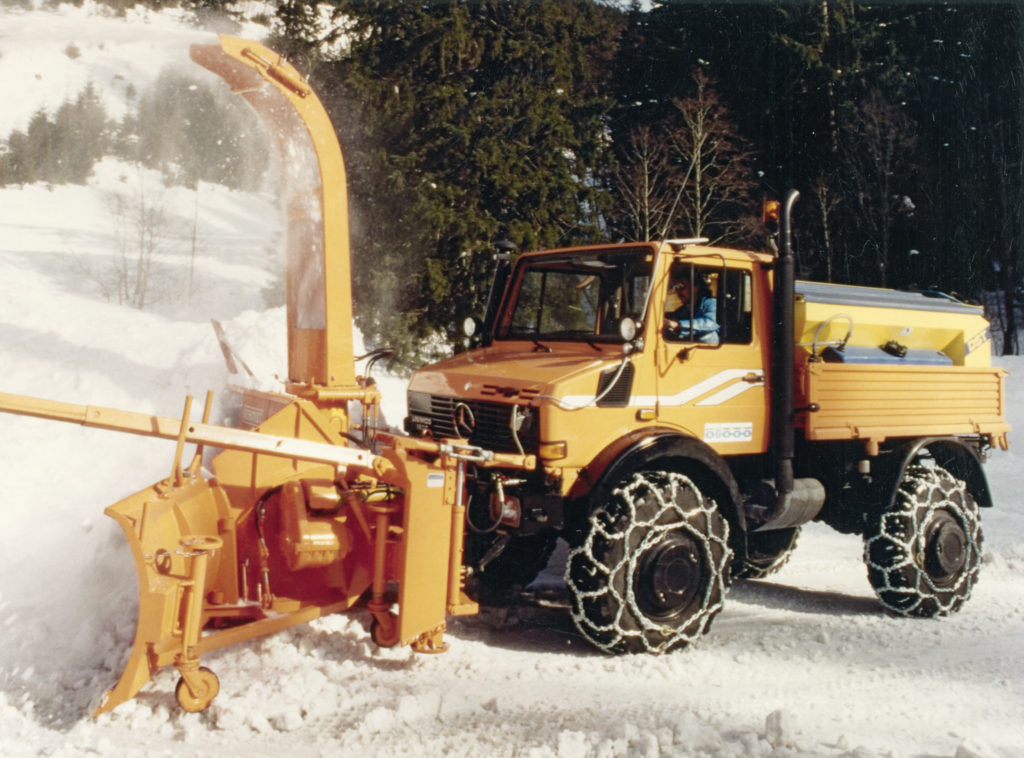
(712, 380)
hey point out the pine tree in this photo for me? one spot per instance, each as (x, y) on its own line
(971, 100)
(81, 132)
(14, 164)
(41, 157)
(463, 123)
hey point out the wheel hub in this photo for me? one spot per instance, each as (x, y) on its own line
(945, 549)
(669, 577)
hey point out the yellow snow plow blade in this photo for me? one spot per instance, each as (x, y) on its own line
(174, 537)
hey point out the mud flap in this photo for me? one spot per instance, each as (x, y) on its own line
(176, 545)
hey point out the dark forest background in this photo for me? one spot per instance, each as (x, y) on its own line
(560, 122)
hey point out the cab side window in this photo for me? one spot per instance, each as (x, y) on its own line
(709, 305)
(735, 310)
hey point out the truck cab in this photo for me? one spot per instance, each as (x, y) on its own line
(581, 358)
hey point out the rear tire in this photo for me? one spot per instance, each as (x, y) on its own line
(765, 554)
(652, 568)
(923, 554)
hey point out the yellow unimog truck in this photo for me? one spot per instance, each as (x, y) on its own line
(682, 444)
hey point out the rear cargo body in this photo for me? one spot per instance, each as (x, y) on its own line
(877, 402)
(877, 364)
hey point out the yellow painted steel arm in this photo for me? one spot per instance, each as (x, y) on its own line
(149, 425)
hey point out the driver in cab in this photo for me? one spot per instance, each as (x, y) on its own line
(695, 318)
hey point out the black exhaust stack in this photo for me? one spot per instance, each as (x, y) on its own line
(797, 501)
(783, 352)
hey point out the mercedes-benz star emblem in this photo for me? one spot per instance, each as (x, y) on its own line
(465, 421)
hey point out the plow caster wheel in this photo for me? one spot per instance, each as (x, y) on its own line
(206, 690)
(385, 635)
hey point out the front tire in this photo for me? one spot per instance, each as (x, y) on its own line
(923, 554)
(652, 568)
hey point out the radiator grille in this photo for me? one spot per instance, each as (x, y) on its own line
(492, 430)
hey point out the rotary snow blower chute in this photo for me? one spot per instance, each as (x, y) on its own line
(304, 515)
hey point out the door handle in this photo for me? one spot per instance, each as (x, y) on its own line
(753, 378)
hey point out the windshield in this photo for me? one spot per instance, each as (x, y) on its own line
(578, 296)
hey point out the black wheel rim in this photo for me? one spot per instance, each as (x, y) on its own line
(669, 577)
(945, 549)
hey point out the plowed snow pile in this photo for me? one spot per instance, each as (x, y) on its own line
(806, 664)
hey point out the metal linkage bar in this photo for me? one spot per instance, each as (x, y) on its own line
(170, 429)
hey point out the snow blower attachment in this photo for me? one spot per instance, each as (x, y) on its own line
(294, 525)
(301, 518)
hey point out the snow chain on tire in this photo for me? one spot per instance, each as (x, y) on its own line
(656, 530)
(765, 553)
(924, 553)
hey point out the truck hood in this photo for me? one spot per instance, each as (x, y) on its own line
(516, 373)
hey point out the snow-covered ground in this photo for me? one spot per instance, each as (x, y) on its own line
(806, 664)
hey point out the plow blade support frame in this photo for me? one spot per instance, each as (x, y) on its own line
(148, 425)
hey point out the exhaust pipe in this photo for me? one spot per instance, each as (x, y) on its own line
(797, 501)
(783, 352)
